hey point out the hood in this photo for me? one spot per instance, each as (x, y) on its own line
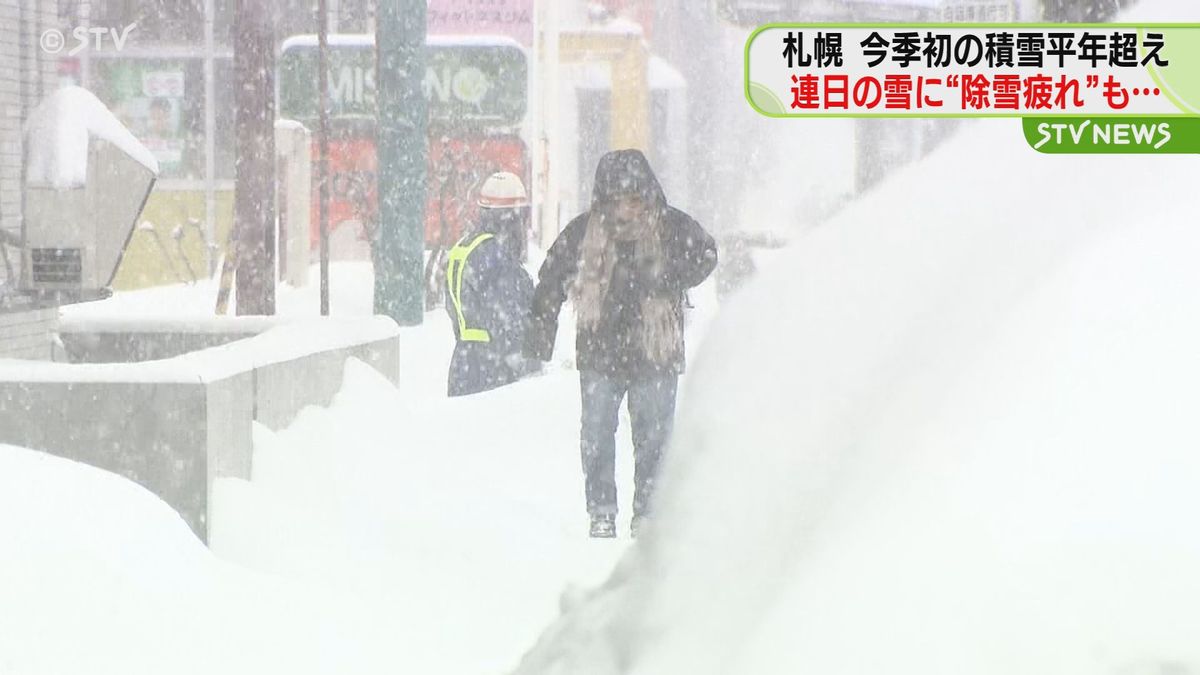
(625, 171)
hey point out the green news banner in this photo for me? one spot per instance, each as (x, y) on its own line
(1079, 88)
(1096, 135)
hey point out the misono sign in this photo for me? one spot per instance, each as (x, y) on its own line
(467, 80)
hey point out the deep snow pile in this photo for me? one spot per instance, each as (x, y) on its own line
(99, 576)
(382, 534)
(953, 432)
(461, 520)
(59, 131)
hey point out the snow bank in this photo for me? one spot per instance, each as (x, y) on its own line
(58, 133)
(165, 371)
(289, 341)
(351, 290)
(465, 535)
(99, 576)
(378, 535)
(951, 432)
(280, 340)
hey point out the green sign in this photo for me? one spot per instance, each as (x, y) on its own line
(467, 83)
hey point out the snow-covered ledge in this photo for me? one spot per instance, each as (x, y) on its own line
(176, 424)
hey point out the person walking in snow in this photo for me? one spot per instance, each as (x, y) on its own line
(626, 264)
(489, 292)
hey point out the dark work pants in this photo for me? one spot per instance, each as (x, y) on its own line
(651, 412)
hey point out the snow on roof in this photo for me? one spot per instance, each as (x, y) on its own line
(660, 74)
(619, 25)
(290, 125)
(368, 40)
(59, 131)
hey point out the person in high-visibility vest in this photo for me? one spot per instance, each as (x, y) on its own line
(489, 292)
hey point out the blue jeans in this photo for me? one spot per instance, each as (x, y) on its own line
(651, 412)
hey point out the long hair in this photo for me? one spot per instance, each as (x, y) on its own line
(659, 330)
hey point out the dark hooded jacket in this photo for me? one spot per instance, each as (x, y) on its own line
(612, 347)
(496, 294)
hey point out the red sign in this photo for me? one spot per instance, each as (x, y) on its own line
(513, 18)
(457, 168)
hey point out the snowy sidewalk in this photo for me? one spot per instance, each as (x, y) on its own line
(399, 530)
(460, 522)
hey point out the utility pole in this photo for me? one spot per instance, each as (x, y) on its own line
(401, 147)
(254, 173)
(323, 148)
(551, 141)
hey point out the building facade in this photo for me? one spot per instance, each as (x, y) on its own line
(27, 72)
(171, 83)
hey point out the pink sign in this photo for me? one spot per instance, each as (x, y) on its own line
(513, 18)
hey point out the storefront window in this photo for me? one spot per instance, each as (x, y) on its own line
(162, 102)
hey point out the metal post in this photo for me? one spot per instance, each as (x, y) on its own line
(210, 145)
(254, 196)
(85, 56)
(534, 130)
(550, 123)
(323, 148)
(402, 152)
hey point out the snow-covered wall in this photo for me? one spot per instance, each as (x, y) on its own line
(176, 425)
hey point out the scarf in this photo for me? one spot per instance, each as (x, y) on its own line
(659, 327)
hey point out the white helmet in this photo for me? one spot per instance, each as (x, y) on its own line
(503, 190)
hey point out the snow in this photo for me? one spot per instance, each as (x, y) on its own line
(293, 340)
(454, 529)
(99, 576)
(289, 125)
(172, 371)
(467, 534)
(90, 321)
(59, 131)
(350, 294)
(951, 431)
(660, 74)
(379, 535)
(619, 25)
(279, 340)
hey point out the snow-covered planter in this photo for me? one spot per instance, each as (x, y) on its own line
(177, 424)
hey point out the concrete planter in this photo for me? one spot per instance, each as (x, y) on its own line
(176, 423)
